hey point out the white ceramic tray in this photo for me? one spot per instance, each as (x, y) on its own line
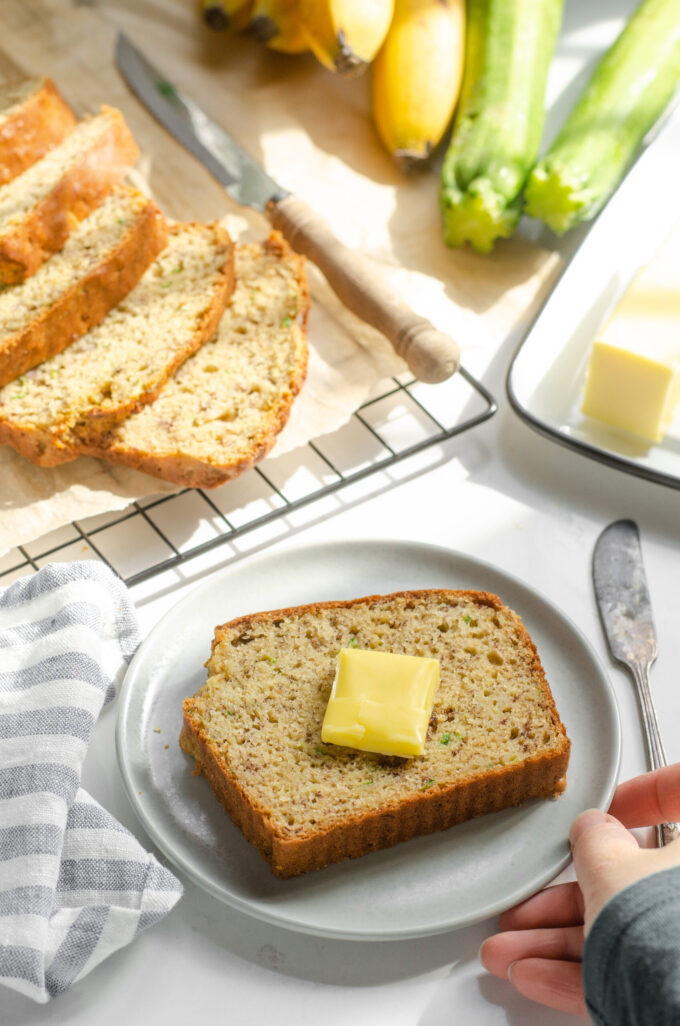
(546, 378)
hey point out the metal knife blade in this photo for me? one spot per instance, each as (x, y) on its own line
(430, 354)
(241, 176)
(626, 613)
(622, 594)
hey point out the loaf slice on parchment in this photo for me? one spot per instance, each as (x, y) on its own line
(77, 396)
(495, 737)
(103, 259)
(223, 408)
(40, 207)
(34, 117)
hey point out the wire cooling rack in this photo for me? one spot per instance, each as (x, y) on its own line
(161, 532)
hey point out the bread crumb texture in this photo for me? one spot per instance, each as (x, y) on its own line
(14, 95)
(22, 194)
(125, 359)
(102, 260)
(223, 409)
(495, 737)
(91, 242)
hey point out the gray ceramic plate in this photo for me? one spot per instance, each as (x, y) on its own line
(422, 887)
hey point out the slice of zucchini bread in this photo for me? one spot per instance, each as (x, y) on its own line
(495, 737)
(41, 207)
(74, 290)
(34, 117)
(223, 409)
(122, 363)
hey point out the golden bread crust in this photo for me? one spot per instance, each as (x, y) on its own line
(405, 812)
(35, 127)
(91, 431)
(24, 248)
(189, 471)
(62, 440)
(88, 299)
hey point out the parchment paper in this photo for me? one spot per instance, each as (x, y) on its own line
(314, 134)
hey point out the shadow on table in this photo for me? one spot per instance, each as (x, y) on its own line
(328, 960)
(519, 1010)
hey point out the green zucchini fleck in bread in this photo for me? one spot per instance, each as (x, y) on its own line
(254, 729)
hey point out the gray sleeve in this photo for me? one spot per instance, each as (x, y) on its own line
(631, 958)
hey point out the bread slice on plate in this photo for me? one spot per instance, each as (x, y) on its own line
(73, 291)
(34, 117)
(495, 738)
(40, 208)
(222, 410)
(78, 395)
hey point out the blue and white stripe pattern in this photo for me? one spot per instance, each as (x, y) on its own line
(74, 884)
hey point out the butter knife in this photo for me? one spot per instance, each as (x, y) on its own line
(430, 354)
(626, 613)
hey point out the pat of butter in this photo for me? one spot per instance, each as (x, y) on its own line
(381, 702)
(633, 379)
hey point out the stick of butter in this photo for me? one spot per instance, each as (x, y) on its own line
(633, 379)
(381, 702)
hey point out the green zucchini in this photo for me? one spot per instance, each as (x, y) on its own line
(498, 126)
(628, 91)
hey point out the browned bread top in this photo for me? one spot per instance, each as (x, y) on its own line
(41, 207)
(34, 117)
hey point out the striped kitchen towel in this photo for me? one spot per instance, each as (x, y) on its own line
(74, 884)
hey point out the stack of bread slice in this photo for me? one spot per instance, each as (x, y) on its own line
(222, 410)
(165, 348)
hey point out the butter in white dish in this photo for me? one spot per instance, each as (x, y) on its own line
(633, 378)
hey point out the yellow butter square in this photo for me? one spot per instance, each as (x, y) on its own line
(633, 377)
(381, 702)
(633, 388)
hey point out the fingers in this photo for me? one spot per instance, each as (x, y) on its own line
(560, 905)
(603, 851)
(543, 965)
(540, 948)
(555, 984)
(502, 950)
(593, 825)
(648, 799)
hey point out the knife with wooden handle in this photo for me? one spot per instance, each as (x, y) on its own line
(626, 613)
(430, 354)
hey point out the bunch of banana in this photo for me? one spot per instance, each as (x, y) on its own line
(416, 49)
(417, 76)
(277, 23)
(345, 35)
(224, 14)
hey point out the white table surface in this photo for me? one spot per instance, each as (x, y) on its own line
(503, 494)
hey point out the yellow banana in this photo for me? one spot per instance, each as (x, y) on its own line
(345, 35)
(417, 77)
(223, 14)
(276, 23)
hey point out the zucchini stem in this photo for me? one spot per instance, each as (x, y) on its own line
(627, 93)
(497, 131)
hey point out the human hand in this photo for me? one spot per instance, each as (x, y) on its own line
(540, 945)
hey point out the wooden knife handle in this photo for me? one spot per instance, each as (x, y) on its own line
(430, 354)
